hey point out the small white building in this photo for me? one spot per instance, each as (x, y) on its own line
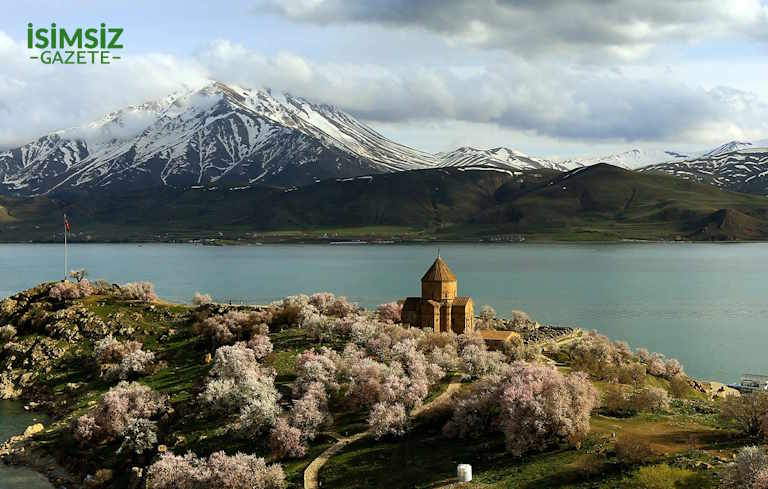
(753, 383)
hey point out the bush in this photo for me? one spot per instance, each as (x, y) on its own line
(533, 405)
(390, 312)
(746, 411)
(649, 399)
(139, 435)
(664, 477)
(202, 299)
(68, 291)
(118, 408)
(138, 291)
(632, 450)
(220, 470)
(388, 419)
(748, 471)
(7, 333)
(678, 386)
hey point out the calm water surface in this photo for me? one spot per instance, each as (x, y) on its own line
(705, 304)
(13, 421)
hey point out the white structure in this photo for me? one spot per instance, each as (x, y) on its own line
(464, 473)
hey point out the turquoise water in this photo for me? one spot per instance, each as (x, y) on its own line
(13, 421)
(706, 304)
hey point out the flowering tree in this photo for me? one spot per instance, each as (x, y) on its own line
(237, 384)
(390, 312)
(201, 299)
(388, 418)
(122, 360)
(118, 408)
(233, 326)
(68, 291)
(222, 471)
(286, 440)
(533, 405)
(749, 471)
(138, 291)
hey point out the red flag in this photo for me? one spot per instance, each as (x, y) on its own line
(66, 223)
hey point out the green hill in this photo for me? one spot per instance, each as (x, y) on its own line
(601, 202)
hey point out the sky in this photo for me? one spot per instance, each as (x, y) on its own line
(546, 77)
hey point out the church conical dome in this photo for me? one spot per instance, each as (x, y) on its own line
(439, 272)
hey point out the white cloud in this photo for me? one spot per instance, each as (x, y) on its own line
(536, 98)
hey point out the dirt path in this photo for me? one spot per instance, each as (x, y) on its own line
(313, 469)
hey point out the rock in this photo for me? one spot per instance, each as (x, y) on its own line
(101, 477)
(34, 429)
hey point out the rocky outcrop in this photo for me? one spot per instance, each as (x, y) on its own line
(24, 450)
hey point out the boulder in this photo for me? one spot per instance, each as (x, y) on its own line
(34, 429)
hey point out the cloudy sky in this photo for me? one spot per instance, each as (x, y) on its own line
(547, 77)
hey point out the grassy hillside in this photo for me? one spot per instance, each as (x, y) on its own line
(51, 362)
(601, 202)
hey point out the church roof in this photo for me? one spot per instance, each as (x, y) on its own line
(439, 272)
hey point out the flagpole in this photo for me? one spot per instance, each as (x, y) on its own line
(65, 247)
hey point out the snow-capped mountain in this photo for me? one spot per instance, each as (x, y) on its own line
(499, 158)
(630, 160)
(742, 170)
(220, 133)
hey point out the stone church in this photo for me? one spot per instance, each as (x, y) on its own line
(439, 308)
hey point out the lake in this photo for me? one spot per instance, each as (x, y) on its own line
(705, 304)
(13, 421)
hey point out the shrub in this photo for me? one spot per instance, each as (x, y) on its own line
(68, 291)
(632, 450)
(390, 312)
(116, 409)
(649, 399)
(664, 477)
(138, 291)
(631, 373)
(748, 470)
(746, 411)
(533, 405)
(233, 326)
(220, 470)
(678, 386)
(7, 333)
(202, 299)
(388, 419)
(140, 435)
(286, 441)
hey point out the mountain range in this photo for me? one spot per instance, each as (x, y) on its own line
(235, 137)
